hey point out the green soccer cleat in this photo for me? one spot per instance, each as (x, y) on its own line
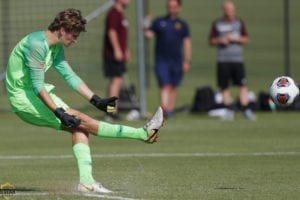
(152, 126)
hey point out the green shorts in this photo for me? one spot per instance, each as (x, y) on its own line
(29, 107)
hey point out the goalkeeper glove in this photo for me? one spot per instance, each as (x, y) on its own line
(107, 105)
(67, 120)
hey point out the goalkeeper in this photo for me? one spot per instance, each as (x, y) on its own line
(35, 102)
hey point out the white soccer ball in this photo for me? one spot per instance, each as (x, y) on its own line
(284, 90)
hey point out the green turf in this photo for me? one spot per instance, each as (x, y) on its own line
(197, 157)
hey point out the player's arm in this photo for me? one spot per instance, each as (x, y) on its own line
(214, 38)
(112, 24)
(127, 55)
(35, 62)
(187, 53)
(148, 26)
(243, 38)
(148, 33)
(66, 119)
(85, 91)
(45, 97)
(65, 70)
(105, 104)
(34, 59)
(113, 37)
(239, 40)
(187, 48)
(214, 41)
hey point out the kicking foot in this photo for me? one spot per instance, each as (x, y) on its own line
(94, 188)
(155, 123)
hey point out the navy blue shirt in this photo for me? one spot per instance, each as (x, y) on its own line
(169, 37)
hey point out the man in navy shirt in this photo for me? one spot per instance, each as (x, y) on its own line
(173, 51)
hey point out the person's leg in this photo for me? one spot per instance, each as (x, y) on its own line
(37, 113)
(172, 99)
(240, 80)
(169, 75)
(114, 86)
(226, 97)
(114, 71)
(244, 101)
(167, 99)
(40, 115)
(82, 154)
(81, 149)
(243, 95)
(104, 129)
(223, 78)
(113, 89)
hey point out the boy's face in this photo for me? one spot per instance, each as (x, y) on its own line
(68, 38)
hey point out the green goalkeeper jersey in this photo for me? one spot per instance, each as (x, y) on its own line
(29, 61)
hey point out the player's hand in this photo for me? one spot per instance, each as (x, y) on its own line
(67, 120)
(147, 21)
(224, 40)
(107, 105)
(118, 55)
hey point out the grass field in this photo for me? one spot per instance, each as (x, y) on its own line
(197, 157)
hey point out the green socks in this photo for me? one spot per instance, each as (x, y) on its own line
(84, 162)
(119, 131)
(82, 151)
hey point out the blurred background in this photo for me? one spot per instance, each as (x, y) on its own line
(264, 56)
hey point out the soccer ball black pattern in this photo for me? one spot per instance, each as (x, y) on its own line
(284, 90)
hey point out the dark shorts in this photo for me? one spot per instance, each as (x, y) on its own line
(234, 72)
(168, 72)
(113, 68)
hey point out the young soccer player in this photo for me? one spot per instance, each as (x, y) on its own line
(35, 102)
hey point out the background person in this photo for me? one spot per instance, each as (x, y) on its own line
(228, 34)
(35, 102)
(115, 50)
(173, 51)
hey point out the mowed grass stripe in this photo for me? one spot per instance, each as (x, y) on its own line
(143, 155)
(31, 194)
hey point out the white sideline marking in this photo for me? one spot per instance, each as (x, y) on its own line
(154, 155)
(69, 194)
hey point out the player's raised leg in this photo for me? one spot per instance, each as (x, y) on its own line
(81, 149)
(148, 133)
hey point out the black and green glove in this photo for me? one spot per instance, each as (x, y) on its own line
(107, 105)
(67, 120)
